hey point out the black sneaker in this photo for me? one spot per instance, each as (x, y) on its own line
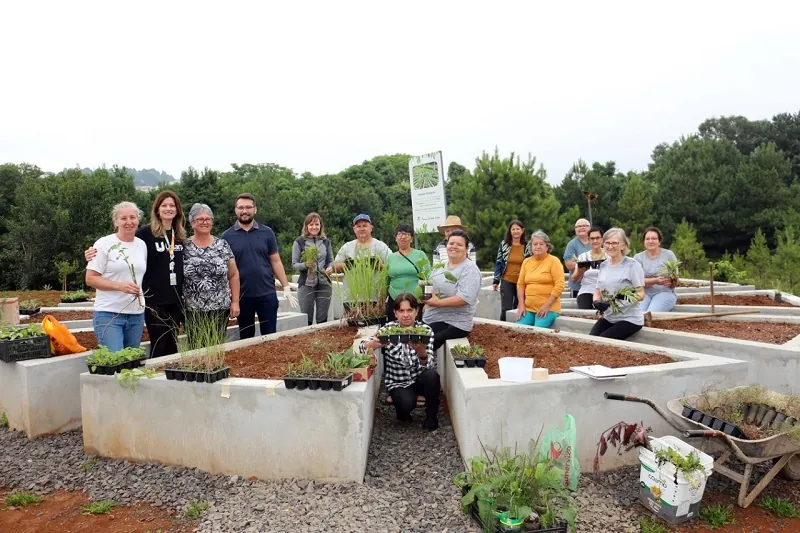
(431, 424)
(404, 417)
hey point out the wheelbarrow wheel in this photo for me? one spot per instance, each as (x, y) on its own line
(792, 469)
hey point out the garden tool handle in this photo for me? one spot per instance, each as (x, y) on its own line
(624, 397)
(702, 433)
(706, 433)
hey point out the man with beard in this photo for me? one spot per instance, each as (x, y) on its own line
(256, 251)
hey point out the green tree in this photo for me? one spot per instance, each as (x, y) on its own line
(688, 250)
(501, 189)
(600, 179)
(759, 260)
(787, 258)
(634, 210)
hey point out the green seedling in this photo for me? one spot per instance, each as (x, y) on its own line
(195, 509)
(103, 507)
(717, 515)
(127, 378)
(780, 507)
(101, 356)
(21, 499)
(10, 333)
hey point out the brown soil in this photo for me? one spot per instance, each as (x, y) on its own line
(63, 316)
(88, 340)
(48, 298)
(557, 355)
(268, 360)
(60, 512)
(771, 332)
(727, 299)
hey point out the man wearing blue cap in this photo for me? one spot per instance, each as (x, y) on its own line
(363, 245)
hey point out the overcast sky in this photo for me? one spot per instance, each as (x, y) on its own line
(320, 86)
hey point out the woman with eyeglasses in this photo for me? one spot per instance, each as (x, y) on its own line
(615, 273)
(659, 294)
(403, 268)
(210, 276)
(586, 269)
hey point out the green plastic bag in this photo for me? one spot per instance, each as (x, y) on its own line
(561, 447)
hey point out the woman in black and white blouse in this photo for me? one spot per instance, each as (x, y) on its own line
(409, 369)
(210, 276)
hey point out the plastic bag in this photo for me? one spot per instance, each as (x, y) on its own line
(561, 447)
(62, 342)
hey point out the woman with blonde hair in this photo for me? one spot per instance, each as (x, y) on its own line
(163, 281)
(312, 256)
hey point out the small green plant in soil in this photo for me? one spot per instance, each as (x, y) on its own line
(101, 356)
(670, 269)
(21, 498)
(10, 333)
(717, 515)
(127, 377)
(102, 507)
(29, 305)
(195, 509)
(651, 525)
(626, 294)
(468, 351)
(75, 296)
(689, 465)
(89, 464)
(780, 507)
(3, 420)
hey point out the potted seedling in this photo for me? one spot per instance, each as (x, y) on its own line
(202, 351)
(425, 273)
(23, 343)
(365, 278)
(358, 365)
(332, 374)
(74, 297)
(669, 269)
(29, 307)
(465, 355)
(104, 362)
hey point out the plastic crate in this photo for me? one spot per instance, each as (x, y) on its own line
(15, 350)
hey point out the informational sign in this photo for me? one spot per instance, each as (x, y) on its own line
(428, 205)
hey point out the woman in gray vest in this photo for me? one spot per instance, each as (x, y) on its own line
(313, 285)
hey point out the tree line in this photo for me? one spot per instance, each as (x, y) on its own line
(729, 192)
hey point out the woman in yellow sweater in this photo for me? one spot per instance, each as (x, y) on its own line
(541, 281)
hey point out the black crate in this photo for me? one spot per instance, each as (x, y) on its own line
(15, 350)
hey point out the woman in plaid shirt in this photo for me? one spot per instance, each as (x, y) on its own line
(409, 369)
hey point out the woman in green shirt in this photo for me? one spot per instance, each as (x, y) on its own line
(403, 267)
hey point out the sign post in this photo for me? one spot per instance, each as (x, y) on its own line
(428, 205)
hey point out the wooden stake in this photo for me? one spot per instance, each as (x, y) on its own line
(711, 280)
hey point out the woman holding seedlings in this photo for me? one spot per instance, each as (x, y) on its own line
(116, 273)
(409, 369)
(163, 280)
(620, 288)
(451, 309)
(659, 294)
(540, 284)
(510, 255)
(586, 272)
(404, 267)
(210, 282)
(312, 256)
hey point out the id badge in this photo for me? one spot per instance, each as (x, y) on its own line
(173, 278)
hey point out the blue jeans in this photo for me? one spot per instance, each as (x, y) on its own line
(266, 307)
(116, 331)
(659, 302)
(530, 319)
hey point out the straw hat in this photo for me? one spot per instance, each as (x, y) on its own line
(451, 222)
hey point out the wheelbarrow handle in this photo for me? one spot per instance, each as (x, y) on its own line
(702, 433)
(625, 398)
(710, 433)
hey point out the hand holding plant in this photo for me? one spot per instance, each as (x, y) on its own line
(128, 287)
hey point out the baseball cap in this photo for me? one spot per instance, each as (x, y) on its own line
(362, 216)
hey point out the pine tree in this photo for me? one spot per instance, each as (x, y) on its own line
(688, 250)
(635, 208)
(787, 257)
(759, 260)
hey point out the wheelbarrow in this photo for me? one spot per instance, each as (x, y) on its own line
(781, 450)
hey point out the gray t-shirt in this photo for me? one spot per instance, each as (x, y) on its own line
(628, 273)
(575, 248)
(589, 279)
(467, 287)
(351, 250)
(652, 266)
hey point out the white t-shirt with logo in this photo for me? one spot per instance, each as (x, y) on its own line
(111, 266)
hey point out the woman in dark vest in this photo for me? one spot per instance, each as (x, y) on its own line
(313, 285)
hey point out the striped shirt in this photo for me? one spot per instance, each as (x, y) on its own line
(401, 364)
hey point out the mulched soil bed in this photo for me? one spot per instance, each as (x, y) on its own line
(269, 359)
(557, 355)
(771, 332)
(63, 316)
(48, 298)
(88, 340)
(727, 299)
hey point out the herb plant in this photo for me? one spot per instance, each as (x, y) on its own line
(202, 349)
(688, 465)
(101, 356)
(367, 286)
(465, 351)
(10, 333)
(29, 305)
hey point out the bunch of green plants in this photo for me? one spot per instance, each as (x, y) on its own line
(781, 507)
(404, 330)
(629, 295)
(517, 483)
(74, 296)
(202, 347)
(101, 507)
(309, 257)
(688, 465)
(21, 498)
(29, 305)
(670, 269)
(366, 278)
(425, 273)
(717, 515)
(348, 359)
(102, 356)
(469, 351)
(10, 333)
(335, 365)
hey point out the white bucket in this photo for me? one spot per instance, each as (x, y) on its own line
(516, 369)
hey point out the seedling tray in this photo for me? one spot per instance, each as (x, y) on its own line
(25, 349)
(74, 301)
(470, 362)
(29, 312)
(110, 370)
(713, 422)
(404, 338)
(197, 376)
(563, 526)
(303, 383)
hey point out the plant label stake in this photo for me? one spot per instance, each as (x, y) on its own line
(711, 281)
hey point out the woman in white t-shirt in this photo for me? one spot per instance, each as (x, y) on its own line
(116, 273)
(587, 269)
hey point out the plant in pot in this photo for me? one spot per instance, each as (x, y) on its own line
(468, 355)
(425, 273)
(670, 269)
(23, 343)
(202, 350)
(358, 365)
(517, 491)
(364, 290)
(104, 362)
(688, 465)
(29, 307)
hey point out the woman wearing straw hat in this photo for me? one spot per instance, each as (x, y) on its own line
(451, 223)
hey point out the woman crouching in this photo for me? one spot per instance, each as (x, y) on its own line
(409, 369)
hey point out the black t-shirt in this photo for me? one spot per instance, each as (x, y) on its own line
(156, 286)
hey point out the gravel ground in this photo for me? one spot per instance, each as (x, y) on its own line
(407, 486)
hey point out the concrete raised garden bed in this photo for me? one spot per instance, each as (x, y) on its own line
(237, 426)
(496, 413)
(42, 396)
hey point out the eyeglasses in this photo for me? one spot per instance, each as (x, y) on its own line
(582, 226)
(611, 243)
(595, 238)
(204, 220)
(402, 234)
(245, 207)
